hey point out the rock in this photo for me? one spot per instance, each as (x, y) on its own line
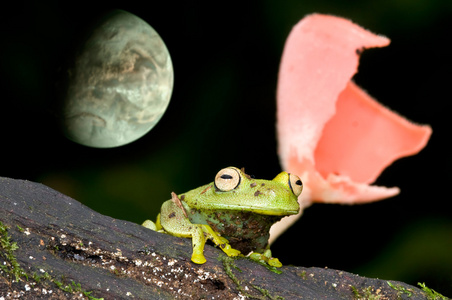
(68, 250)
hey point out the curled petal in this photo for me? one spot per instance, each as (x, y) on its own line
(366, 138)
(330, 132)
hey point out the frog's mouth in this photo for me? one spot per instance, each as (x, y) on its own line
(271, 211)
(274, 212)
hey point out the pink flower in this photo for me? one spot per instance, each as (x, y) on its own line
(330, 132)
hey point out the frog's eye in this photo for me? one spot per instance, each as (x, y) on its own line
(227, 179)
(295, 184)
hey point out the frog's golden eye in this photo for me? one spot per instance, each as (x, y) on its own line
(227, 179)
(295, 184)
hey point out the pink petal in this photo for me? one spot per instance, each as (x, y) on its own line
(330, 132)
(366, 138)
(317, 63)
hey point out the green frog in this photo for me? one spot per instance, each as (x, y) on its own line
(235, 212)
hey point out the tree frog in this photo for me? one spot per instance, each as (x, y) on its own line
(235, 211)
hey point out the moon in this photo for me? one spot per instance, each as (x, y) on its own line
(119, 84)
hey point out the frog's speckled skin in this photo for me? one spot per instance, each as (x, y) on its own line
(235, 212)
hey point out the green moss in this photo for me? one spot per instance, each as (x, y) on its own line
(266, 293)
(355, 291)
(431, 293)
(38, 278)
(400, 289)
(302, 275)
(73, 287)
(228, 264)
(10, 266)
(365, 293)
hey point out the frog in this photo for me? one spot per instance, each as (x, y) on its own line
(235, 212)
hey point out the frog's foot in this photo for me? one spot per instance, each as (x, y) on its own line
(198, 256)
(229, 250)
(198, 242)
(266, 258)
(220, 241)
(153, 226)
(150, 225)
(223, 240)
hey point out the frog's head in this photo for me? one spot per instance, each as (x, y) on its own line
(235, 190)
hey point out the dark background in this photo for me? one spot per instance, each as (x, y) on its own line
(222, 113)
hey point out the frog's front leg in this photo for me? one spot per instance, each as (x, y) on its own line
(199, 235)
(220, 241)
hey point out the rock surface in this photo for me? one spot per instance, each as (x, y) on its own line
(68, 250)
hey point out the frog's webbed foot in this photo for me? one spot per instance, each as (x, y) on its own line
(266, 258)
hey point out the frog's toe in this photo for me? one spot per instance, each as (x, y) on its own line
(274, 262)
(232, 252)
(198, 258)
(223, 240)
(150, 225)
(264, 258)
(229, 250)
(258, 257)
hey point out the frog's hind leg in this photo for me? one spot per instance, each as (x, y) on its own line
(175, 222)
